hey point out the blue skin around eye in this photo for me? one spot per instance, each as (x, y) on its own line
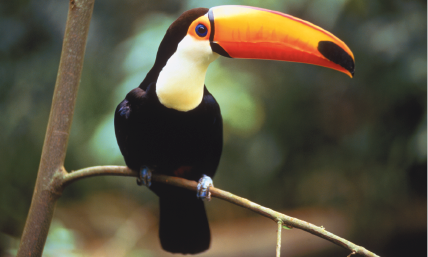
(201, 34)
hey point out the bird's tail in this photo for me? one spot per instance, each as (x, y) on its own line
(183, 225)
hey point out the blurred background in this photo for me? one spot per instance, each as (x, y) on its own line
(347, 154)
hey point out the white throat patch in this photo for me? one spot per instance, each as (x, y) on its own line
(180, 84)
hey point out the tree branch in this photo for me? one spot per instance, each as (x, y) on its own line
(215, 192)
(55, 145)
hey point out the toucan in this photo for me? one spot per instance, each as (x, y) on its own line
(171, 124)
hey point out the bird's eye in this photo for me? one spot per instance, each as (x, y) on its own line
(201, 30)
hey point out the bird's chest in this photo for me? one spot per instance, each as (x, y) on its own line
(170, 136)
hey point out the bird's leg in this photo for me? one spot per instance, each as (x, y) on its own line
(203, 189)
(145, 177)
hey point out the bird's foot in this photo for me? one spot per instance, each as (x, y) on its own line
(145, 178)
(203, 189)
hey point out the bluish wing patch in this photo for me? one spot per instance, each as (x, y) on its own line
(124, 109)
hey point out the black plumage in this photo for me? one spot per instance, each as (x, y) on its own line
(184, 144)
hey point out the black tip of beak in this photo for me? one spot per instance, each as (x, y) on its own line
(336, 54)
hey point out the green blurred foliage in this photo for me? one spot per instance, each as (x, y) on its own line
(295, 135)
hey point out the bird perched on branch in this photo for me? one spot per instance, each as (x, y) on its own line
(171, 124)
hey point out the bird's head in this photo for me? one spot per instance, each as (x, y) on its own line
(200, 35)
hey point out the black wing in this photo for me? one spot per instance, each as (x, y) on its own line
(124, 113)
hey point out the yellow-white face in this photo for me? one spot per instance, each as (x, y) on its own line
(180, 84)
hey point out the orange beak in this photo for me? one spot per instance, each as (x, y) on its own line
(256, 33)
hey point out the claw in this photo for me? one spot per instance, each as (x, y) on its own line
(145, 178)
(203, 189)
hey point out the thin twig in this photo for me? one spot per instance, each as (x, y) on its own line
(353, 253)
(278, 238)
(215, 192)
